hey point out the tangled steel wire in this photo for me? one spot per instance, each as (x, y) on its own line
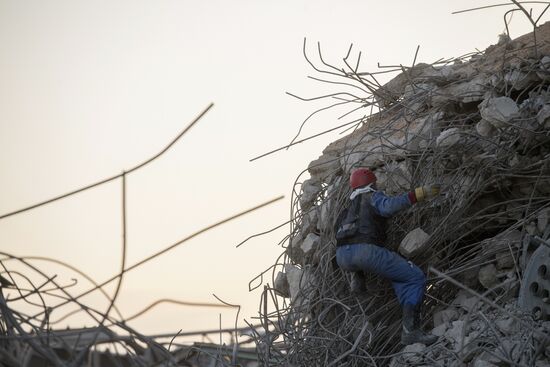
(433, 126)
(34, 302)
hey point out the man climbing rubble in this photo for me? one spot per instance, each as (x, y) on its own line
(360, 240)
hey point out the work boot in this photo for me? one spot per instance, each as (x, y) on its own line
(411, 328)
(357, 283)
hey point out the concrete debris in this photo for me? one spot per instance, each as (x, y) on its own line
(445, 316)
(480, 126)
(485, 128)
(410, 355)
(499, 111)
(299, 280)
(488, 276)
(394, 177)
(309, 222)
(508, 326)
(281, 285)
(440, 330)
(456, 332)
(324, 166)
(310, 191)
(448, 138)
(415, 242)
(310, 244)
(520, 80)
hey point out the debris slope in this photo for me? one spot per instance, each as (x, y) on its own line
(480, 126)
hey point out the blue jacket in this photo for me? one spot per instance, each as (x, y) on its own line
(364, 221)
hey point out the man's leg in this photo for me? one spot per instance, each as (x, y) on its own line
(408, 282)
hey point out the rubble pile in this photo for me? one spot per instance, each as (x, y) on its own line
(479, 125)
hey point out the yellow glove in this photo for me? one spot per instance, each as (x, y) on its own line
(427, 192)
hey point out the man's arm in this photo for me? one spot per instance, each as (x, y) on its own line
(390, 205)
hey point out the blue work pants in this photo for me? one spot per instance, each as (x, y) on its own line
(407, 279)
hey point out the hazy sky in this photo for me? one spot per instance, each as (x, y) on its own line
(90, 88)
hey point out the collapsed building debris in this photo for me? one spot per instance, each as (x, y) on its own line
(478, 125)
(33, 302)
(31, 338)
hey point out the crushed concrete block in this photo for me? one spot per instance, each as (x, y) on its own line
(543, 116)
(394, 178)
(294, 251)
(310, 191)
(309, 222)
(445, 316)
(324, 212)
(471, 90)
(456, 331)
(298, 280)
(503, 245)
(543, 219)
(488, 276)
(412, 90)
(485, 128)
(486, 359)
(448, 137)
(310, 243)
(508, 326)
(440, 330)
(412, 354)
(281, 285)
(296, 242)
(519, 80)
(361, 159)
(414, 243)
(423, 134)
(499, 111)
(324, 166)
(465, 301)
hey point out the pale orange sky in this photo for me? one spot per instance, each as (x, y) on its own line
(88, 89)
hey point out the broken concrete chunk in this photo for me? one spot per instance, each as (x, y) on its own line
(361, 159)
(486, 359)
(448, 137)
(488, 276)
(508, 325)
(281, 285)
(440, 330)
(309, 222)
(518, 79)
(324, 166)
(445, 316)
(499, 111)
(412, 354)
(485, 128)
(298, 281)
(456, 332)
(394, 177)
(543, 116)
(465, 301)
(310, 191)
(415, 242)
(310, 244)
